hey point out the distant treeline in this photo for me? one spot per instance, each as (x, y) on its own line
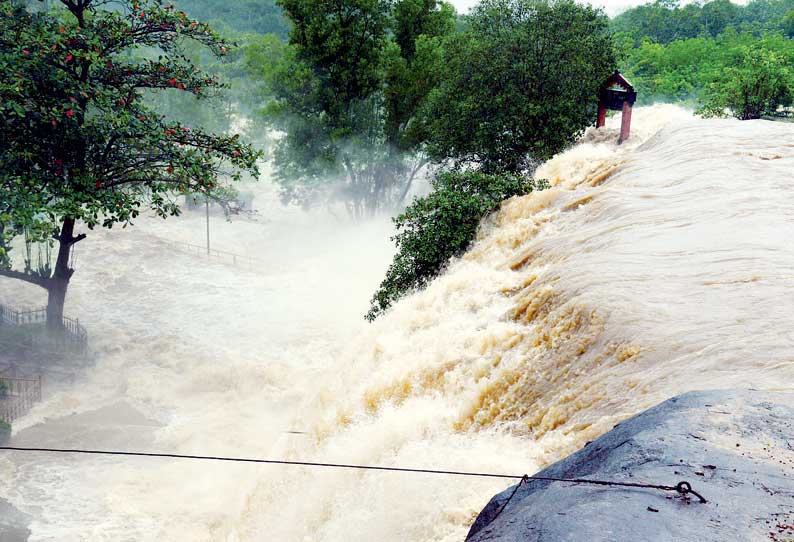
(260, 16)
(665, 21)
(717, 56)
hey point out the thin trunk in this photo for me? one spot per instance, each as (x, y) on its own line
(410, 182)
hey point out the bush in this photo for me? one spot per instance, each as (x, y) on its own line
(440, 226)
(758, 85)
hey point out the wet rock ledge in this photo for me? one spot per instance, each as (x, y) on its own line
(735, 447)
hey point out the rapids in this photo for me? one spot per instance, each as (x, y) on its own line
(648, 269)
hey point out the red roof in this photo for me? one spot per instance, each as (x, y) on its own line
(618, 79)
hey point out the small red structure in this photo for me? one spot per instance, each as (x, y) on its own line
(616, 94)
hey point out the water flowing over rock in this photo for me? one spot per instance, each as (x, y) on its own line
(649, 269)
(736, 448)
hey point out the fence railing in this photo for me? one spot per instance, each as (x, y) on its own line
(70, 336)
(17, 396)
(17, 317)
(220, 256)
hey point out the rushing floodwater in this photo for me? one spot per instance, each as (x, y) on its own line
(649, 269)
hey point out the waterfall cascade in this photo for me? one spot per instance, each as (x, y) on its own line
(648, 269)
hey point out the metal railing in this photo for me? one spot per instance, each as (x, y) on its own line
(213, 254)
(17, 396)
(71, 336)
(17, 317)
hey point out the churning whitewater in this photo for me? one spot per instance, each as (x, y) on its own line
(648, 269)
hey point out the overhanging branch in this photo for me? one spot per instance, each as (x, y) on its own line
(19, 275)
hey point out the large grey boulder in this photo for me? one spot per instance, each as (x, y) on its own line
(736, 448)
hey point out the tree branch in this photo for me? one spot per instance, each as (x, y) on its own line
(19, 275)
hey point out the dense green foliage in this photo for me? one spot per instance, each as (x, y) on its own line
(519, 84)
(369, 91)
(748, 75)
(665, 21)
(79, 142)
(724, 58)
(758, 83)
(441, 226)
(345, 90)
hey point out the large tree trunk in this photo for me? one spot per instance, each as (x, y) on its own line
(59, 282)
(56, 298)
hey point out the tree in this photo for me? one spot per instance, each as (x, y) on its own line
(440, 226)
(413, 69)
(326, 103)
(676, 72)
(664, 21)
(413, 62)
(757, 84)
(711, 70)
(519, 84)
(344, 93)
(80, 145)
(788, 23)
(718, 15)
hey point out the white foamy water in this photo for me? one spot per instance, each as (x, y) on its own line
(656, 267)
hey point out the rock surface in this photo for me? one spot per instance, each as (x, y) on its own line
(735, 447)
(13, 523)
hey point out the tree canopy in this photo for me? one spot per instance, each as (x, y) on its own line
(519, 83)
(748, 75)
(345, 91)
(757, 83)
(80, 143)
(664, 21)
